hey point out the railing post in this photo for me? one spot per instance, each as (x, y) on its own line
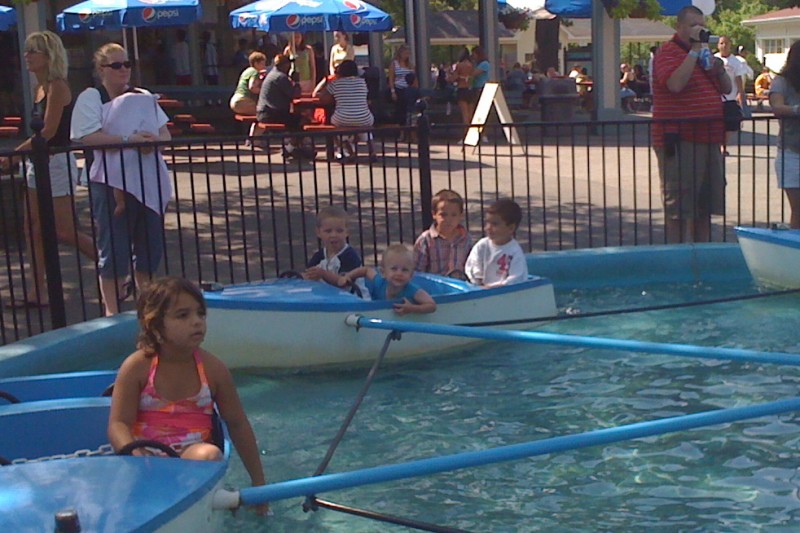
(424, 149)
(40, 158)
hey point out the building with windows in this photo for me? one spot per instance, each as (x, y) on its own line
(775, 33)
(456, 29)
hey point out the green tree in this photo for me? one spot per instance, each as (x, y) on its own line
(728, 21)
(397, 8)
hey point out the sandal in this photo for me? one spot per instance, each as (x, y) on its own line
(127, 289)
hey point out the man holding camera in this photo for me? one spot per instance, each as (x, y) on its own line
(688, 130)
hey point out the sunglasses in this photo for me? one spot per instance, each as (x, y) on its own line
(116, 65)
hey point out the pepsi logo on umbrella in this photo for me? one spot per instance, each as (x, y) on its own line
(151, 14)
(358, 21)
(293, 21)
(355, 5)
(148, 14)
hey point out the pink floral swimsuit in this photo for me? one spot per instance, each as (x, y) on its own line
(178, 424)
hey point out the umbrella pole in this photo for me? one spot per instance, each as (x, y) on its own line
(125, 39)
(136, 57)
(292, 52)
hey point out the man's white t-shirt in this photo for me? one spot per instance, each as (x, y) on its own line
(734, 67)
(488, 263)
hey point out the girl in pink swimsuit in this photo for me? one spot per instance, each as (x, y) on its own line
(166, 390)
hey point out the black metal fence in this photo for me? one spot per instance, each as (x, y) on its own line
(242, 213)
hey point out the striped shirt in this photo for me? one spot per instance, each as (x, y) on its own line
(351, 109)
(700, 99)
(437, 255)
(400, 75)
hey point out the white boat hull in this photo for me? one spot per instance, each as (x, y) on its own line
(314, 335)
(201, 517)
(772, 256)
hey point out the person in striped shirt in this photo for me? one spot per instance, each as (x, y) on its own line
(688, 131)
(444, 247)
(349, 92)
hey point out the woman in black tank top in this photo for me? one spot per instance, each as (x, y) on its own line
(46, 58)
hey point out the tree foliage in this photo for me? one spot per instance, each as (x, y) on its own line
(397, 8)
(727, 19)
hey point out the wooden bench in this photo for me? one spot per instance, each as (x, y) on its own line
(758, 101)
(204, 128)
(185, 118)
(174, 129)
(258, 128)
(9, 131)
(169, 103)
(643, 103)
(330, 145)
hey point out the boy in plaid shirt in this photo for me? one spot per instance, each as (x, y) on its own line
(444, 247)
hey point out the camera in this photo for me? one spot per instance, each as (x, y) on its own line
(703, 35)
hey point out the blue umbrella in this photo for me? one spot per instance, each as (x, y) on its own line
(118, 14)
(583, 8)
(8, 17)
(311, 15)
(122, 14)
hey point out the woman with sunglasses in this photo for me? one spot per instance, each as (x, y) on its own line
(46, 58)
(129, 188)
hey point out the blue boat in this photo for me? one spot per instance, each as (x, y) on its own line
(58, 465)
(295, 323)
(54, 386)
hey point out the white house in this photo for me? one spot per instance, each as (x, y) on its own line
(775, 33)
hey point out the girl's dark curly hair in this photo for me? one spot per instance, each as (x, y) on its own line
(153, 304)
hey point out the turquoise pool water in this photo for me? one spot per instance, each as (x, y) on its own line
(737, 477)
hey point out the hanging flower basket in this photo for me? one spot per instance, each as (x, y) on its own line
(515, 19)
(645, 9)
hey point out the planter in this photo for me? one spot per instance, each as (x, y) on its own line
(634, 9)
(514, 19)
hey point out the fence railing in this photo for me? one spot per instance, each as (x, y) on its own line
(241, 213)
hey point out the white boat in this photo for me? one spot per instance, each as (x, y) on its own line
(57, 459)
(294, 323)
(772, 255)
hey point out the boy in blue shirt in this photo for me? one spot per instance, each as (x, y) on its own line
(393, 282)
(336, 256)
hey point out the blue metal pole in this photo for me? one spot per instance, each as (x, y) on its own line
(436, 465)
(538, 337)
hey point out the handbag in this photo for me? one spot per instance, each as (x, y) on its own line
(732, 115)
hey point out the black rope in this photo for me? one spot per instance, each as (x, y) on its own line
(393, 335)
(380, 517)
(632, 309)
(10, 398)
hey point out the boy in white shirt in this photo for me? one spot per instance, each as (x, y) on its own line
(498, 259)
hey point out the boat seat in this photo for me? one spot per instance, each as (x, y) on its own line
(80, 424)
(437, 287)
